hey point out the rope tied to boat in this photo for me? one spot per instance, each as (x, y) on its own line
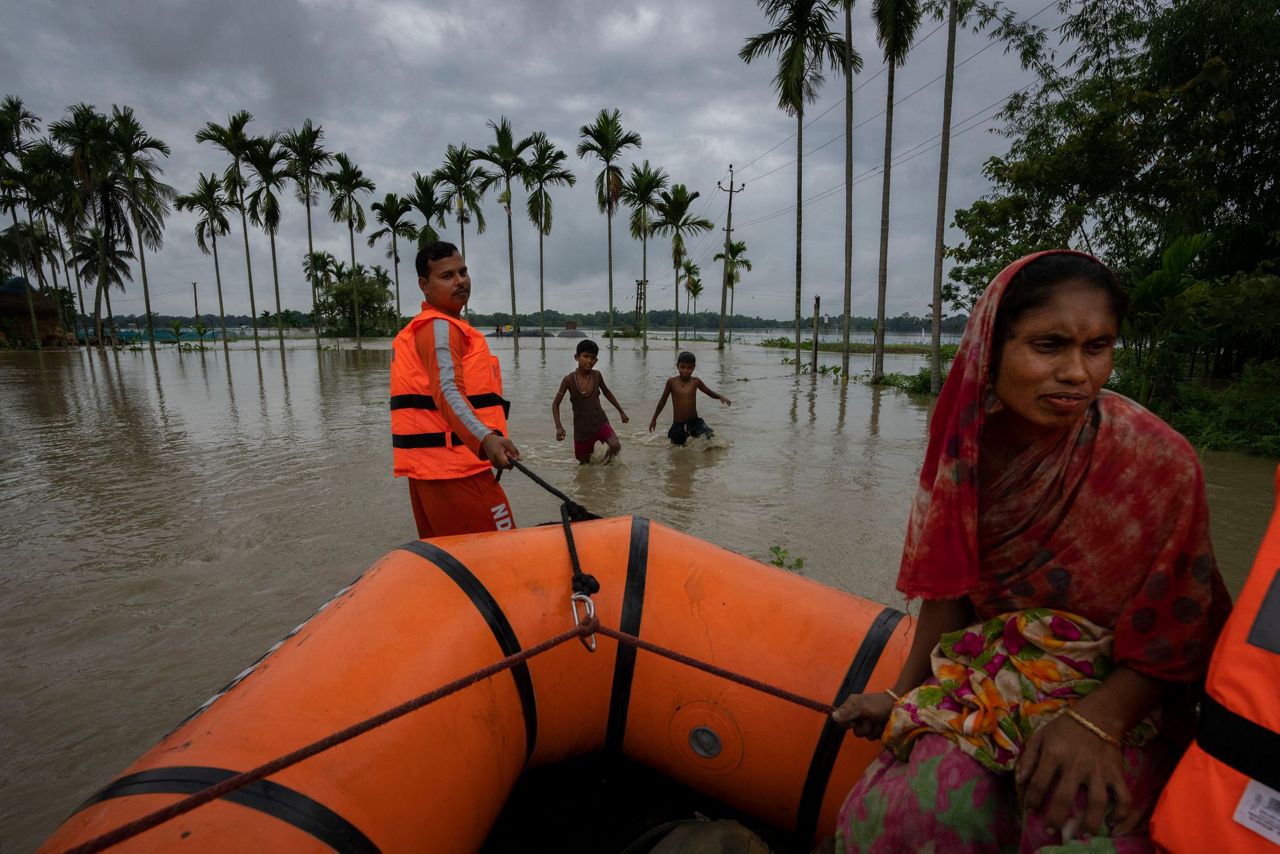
(588, 627)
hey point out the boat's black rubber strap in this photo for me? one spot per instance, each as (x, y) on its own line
(1234, 740)
(498, 624)
(624, 665)
(273, 799)
(832, 736)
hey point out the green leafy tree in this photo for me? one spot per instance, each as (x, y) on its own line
(641, 193)
(692, 288)
(110, 268)
(346, 183)
(210, 204)
(307, 159)
(544, 169)
(605, 139)
(507, 158)
(239, 146)
(802, 40)
(677, 220)
(392, 214)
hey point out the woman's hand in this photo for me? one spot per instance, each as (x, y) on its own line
(865, 714)
(1064, 751)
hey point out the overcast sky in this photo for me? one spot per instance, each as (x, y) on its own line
(393, 82)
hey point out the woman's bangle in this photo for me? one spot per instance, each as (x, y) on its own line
(894, 694)
(1094, 728)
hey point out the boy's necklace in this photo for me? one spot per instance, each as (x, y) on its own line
(577, 382)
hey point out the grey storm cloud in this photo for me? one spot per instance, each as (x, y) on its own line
(394, 83)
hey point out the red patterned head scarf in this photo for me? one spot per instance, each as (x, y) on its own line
(940, 559)
(1106, 519)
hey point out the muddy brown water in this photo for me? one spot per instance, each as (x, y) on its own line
(164, 520)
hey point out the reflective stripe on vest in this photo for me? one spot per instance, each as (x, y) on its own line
(1225, 793)
(424, 444)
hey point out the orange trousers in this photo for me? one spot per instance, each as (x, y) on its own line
(464, 505)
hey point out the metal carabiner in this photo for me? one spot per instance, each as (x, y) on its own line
(589, 641)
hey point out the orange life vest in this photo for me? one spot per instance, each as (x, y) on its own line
(424, 443)
(1225, 793)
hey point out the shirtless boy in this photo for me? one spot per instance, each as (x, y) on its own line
(683, 390)
(590, 424)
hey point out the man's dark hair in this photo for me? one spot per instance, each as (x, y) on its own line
(686, 358)
(587, 346)
(433, 251)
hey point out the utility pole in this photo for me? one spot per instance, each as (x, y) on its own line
(728, 237)
(195, 295)
(642, 306)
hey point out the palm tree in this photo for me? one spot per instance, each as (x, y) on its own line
(101, 198)
(238, 145)
(675, 219)
(692, 288)
(146, 195)
(805, 45)
(14, 119)
(506, 156)
(210, 204)
(852, 65)
(344, 183)
(896, 22)
(270, 164)
(50, 190)
(544, 169)
(640, 193)
(606, 139)
(735, 263)
(307, 159)
(391, 213)
(462, 185)
(320, 268)
(431, 209)
(109, 267)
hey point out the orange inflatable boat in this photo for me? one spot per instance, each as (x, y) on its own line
(436, 779)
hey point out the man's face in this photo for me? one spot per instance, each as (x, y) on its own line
(448, 284)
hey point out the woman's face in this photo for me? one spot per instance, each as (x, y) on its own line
(1057, 359)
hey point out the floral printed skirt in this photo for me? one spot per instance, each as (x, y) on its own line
(945, 781)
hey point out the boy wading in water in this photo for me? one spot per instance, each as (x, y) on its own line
(683, 390)
(590, 424)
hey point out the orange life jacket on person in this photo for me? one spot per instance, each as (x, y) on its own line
(424, 444)
(1225, 793)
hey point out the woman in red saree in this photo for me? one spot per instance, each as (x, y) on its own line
(1059, 541)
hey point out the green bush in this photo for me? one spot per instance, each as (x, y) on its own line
(1243, 417)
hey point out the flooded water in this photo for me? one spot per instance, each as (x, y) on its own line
(165, 519)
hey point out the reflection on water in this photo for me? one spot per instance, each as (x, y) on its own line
(167, 518)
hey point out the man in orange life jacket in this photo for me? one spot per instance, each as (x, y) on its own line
(448, 416)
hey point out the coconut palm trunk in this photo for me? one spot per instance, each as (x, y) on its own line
(644, 277)
(511, 271)
(355, 283)
(395, 264)
(275, 274)
(799, 219)
(609, 227)
(22, 263)
(311, 250)
(542, 325)
(53, 277)
(676, 288)
(146, 295)
(847, 318)
(877, 366)
(248, 266)
(67, 271)
(222, 312)
(940, 224)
